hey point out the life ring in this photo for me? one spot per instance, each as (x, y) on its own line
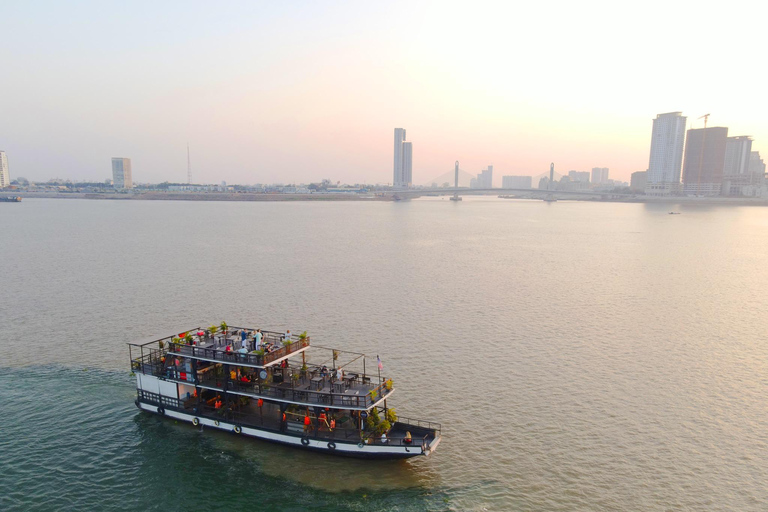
(238, 429)
(160, 411)
(305, 441)
(216, 422)
(360, 445)
(195, 421)
(331, 445)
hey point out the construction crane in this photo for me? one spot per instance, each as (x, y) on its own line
(705, 117)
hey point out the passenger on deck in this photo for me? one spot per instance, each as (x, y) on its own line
(307, 422)
(257, 340)
(407, 439)
(383, 438)
(322, 419)
(324, 371)
(228, 349)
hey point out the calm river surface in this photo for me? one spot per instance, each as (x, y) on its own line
(580, 356)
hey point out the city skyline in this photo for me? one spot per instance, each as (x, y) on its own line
(284, 83)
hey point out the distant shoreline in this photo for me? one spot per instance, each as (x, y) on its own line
(386, 196)
(203, 196)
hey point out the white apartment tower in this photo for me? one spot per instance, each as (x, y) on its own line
(407, 164)
(121, 173)
(5, 177)
(667, 140)
(599, 175)
(403, 164)
(398, 179)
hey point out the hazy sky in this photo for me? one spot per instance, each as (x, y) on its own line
(298, 91)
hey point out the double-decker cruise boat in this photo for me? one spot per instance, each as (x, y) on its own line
(268, 385)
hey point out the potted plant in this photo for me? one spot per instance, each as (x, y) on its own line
(303, 336)
(224, 327)
(388, 384)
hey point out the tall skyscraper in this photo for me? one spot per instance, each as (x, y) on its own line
(5, 177)
(121, 173)
(736, 166)
(667, 140)
(484, 179)
(403, 162)
(599, 175)
(408, 164)
(704, 161)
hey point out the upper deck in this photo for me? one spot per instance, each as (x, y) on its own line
(338, 379)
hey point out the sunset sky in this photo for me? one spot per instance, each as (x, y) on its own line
(269, 92)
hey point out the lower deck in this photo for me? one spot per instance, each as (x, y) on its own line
(265, 423)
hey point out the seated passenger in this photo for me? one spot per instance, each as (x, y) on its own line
(407, 439)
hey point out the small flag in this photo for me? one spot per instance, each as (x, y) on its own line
(381, 366)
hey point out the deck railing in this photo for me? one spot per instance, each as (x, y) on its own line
(288, 390)
(421, 424)
(271, 422)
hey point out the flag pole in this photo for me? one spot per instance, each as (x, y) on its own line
(378, 366)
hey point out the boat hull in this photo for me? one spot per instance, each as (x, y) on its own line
(329, 446)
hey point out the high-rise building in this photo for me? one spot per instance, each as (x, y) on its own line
(121, 173)
(736, 166)
(704, 161)
(408, 164)
(581, 176)
(484, 179)
(667, 140)
(516, 182)
(5, 177)
(403, 161)
(756, 164)
(638, 180)
(599, 175)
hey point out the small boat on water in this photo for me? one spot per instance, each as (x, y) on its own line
(261, 384)
(674, 213)
(10, 199)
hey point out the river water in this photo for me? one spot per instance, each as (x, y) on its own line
(580, 356)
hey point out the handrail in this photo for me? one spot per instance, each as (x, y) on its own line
(256, 420)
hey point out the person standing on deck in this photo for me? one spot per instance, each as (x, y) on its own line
(287, 335)
(257, 340)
